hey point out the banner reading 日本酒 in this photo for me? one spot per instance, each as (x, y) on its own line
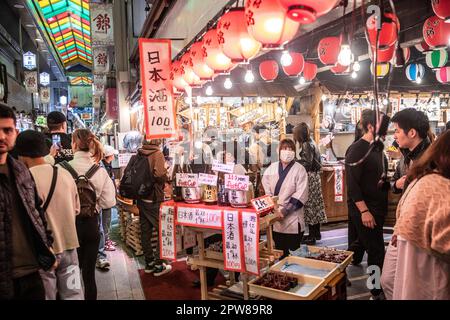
(155, 59)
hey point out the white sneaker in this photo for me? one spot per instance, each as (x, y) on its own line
(102, 264)
(161, 270)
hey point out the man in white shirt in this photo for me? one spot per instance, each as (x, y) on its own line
(59, 196)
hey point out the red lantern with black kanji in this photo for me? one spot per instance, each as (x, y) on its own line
(442, 9)
(215, 58)
(188, 73)
(236, 43)
(176, 76)
(200, 68)
(384, 55)
(268, 70)
(329, 49)
(339, 69)
(309, 71)
(388, 34)
(436, 32)
(297, 65)
(267, 22)
(307, 11)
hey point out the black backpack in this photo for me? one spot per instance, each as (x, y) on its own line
(137, 181)
(86, 190)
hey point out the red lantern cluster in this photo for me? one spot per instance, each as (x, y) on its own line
(436, 32)
(307, 11)
(329, 49)
(442, 9)
(200, 68)
(297, 65)
(309, 71)
(215, 58)
(338, 69)
(388, 34)
(383, 55)
(268, 70)
(187, 71)
(176, 76)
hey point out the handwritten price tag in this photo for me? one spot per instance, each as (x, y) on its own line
(236, 182)
(222, 167)
(124, 158)
(232, 241)
(263, 204)
(199, 217)
(189, 180)
(167, 232)
(207, 179)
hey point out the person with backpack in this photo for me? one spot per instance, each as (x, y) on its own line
(61, 205)
(144, 180)
(96, 191)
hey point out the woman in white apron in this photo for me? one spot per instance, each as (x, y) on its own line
(288, 180)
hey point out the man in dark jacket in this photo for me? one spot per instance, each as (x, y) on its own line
(57, 125)
(149, 208)
(25, 242)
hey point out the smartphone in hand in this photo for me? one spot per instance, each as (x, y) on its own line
(56, 141)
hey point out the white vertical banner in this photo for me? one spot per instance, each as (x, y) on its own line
(338, 184)
(44, 95)
(102, 26)
(99, 89)
(99, 78)
(167, 232)
(96, 102)
(31, 81)
(101, 60)
(232, 241)
(250, 231)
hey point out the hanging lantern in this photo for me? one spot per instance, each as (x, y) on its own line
(297, 65)
(384, 55)
(235, 41)
(309, 71)
(415, 71)
(328, 50)
(442, 9)
(307, 11)
(188, 73)
(200, 68)
(177, 77)
(436, 32)
(423, 47)
(340, 70)
(437, 59)
(443, 75)
(388, 33)
(382, 69)
(401, 57)
(268, 23)
(215, 58)
(268, 70)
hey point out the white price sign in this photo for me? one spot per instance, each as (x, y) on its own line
(263, 204)
(207, 179)
(232, 241)
(188, 180)
(167, 232)
(236, 182)
(124, 158)
(250, 231)
(222, 167)
(199, 217)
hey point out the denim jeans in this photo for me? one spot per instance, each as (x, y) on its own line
(104, 222)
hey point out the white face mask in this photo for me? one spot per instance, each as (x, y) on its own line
(287, 155)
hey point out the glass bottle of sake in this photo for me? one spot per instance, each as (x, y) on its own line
(190, 194)
(209, 192)
(176, 191)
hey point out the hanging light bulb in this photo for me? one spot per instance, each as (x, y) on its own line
(259, 100)
(209, 91)
(286, 59)
(356, 66)
(385, 101)
(228, 84)
(354, 75)
(302, 80)
(345, 57)
(249, 77)
(324, 97)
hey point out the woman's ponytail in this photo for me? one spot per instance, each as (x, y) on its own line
(88, 142)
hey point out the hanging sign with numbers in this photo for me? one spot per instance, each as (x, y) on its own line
(232, 241)
(167, 232)
(263, 204)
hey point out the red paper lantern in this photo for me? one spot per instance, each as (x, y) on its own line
(297, 65)
(187, 72)
(307, 11)
(215, 58)
(235, 41)
(309, 71)
(388, 33)
(176, 76)
(442, 9)
(268, 23)
(339, 69)
(328, 50)
(436, 32)
(268, 70)
(384, 55)
(401, 57)
(200, 68)
(423, 47)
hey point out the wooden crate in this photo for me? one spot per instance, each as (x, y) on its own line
(343, 265)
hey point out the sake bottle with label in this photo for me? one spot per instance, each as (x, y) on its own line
(209, 193)
(191, 194)
(176, 191)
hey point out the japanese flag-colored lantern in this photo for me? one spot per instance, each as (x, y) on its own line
(384, 55)
(307, 11)
(443, 75)
(200, 68)
(268, 70)
(328, 50)
(188, 73)
(437, 59)
(436, 32)
(401, 57)
(340, 70)
(177, 77)
(415, 71)
(388, 33)
(235, 41)
(297, 65)
(423, 47)
(267, 22)
(309, 71)
(382, 69)
(442, 9)
(215, 58)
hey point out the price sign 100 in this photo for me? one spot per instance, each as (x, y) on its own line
(159, 121)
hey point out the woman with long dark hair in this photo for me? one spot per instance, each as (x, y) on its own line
(308, 155)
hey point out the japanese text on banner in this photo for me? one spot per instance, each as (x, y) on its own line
(199, 217)
(232, 241)
(155, 58)
(250, 231)
(167, 235)
(338, 184)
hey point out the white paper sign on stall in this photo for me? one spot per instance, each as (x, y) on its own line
(207, 179)
(189, 180)
(167, 232)
(232, 241)
(338, 184)
(124, 158)
(250, 231)
(237, 182)
(222, 167)
(199, 217)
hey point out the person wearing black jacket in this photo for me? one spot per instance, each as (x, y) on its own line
(25, 240)
(57, 125)
(367, 201)
(308, 155)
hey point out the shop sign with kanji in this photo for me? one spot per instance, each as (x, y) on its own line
(45, 95)
(29, 60)
(101, 60)
(31, 81)
(102, 27)
(157, 89)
